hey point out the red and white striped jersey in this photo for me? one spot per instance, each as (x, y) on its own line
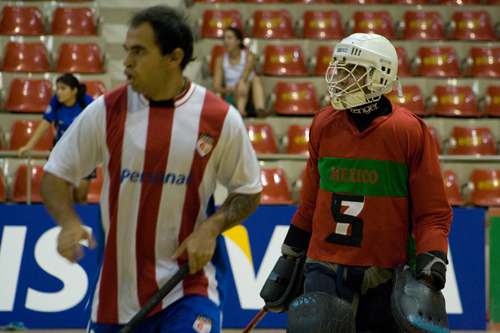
(161, 162)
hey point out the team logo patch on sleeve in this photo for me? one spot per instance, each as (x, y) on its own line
(202, 324)
(204, 145)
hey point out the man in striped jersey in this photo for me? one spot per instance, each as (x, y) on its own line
(163, 142)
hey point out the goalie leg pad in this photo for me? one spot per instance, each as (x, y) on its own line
(285, 283)
(416, 307)
(320, 313)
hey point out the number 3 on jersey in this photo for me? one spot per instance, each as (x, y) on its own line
(354, 204)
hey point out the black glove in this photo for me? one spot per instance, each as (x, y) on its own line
(433, 264)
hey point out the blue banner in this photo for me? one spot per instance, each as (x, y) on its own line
(44, 290)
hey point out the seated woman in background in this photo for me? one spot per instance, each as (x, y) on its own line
(234, 75)
(68, 102)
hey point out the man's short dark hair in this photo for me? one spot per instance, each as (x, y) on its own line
(170, 28)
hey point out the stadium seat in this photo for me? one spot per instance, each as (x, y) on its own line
(264, 1)
(3, 190)
(485, 187)
(483, 62)
(438, 61)
(410, 2)
(404, 68)
(437, 139)
(453, 189)
(457, 2)
(217, 50)
(25, 57)
(472, 26)
(454, 101)
(215, 21)
(94, 195)
(313, 1)
(28, 95)
(273, 24)
(262, 138)
(362, 2)
(21, 21)
(275, 188)
(475, 141)
(73, 21)
(215, 1)
(322, 59)
(21, 132)
(20, 185)
(412, 99)
(79, 58)
(378, 22)
(297, 137)
(423, 25)
(317, 24)
(284, 60)
(295, 99)
(491, 105)
(95, 88)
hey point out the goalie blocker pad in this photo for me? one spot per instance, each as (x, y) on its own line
(285, 282)
(416, 307)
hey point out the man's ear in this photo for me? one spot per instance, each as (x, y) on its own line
(176, 57)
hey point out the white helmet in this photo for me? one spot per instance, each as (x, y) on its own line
(369, 62)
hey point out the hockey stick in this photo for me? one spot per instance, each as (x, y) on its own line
(255, 320)
(156, 299)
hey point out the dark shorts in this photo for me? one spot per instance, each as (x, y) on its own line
(191, 314)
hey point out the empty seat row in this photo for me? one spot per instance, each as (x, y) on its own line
(415, 25)
(19, 188)
(482, 188)
(34, 95)
(362, 2)
(65, 21)
(430, 61)
(33, 57)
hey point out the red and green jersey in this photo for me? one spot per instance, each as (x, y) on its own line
(359, 187)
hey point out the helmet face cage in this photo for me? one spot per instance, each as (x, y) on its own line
(372, 52)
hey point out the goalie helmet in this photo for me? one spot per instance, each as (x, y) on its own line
(362, 69)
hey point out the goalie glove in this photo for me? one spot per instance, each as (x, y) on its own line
(433, 264)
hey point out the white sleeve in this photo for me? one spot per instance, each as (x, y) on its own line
(238, 169)
(80, 150)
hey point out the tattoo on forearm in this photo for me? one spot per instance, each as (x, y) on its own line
(238, 207)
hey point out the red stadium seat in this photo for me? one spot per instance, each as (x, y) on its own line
(454, 101)
(217, 50)
(313, 1)
(20, 185)
(404, 68)
(295, 99)
(439, 61)
(412, 99)
(378, 22)
(215, 1)
(437, 139)
(3, 191)
(453, 189)
(319, 24)
(491, 106)
(216, 21)
(362, 2)
(79, 58)
(284, 60)
(21, 132)
(262, 138)
(28, 95)
(273, 24)
(458, 2)
(423, 25)
(410, 2)
(25, 57)
(483, 62)
(322, 59)
(275, 188)
(264, 1)
(95, 88)
(94, 195)
(298, 139)
(485, 187)
(475, 141)
(21, 21)
(73, 21)
(472, 26)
